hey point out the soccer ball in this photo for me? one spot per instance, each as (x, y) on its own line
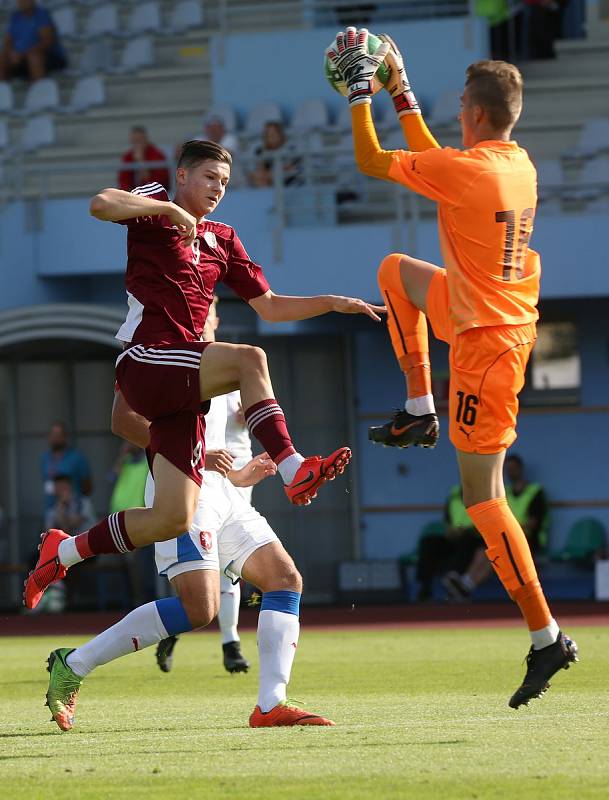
(334, 79)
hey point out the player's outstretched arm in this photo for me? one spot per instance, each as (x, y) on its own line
(417, 134)
(273, 307)
(253, 472)
(115, 205)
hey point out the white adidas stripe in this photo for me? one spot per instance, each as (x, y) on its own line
(165, 362)
(276, 412)
(262, 412)
(147, 188)
(192, 358)
(116, 534)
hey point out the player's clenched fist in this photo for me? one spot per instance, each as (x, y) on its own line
(184, 222)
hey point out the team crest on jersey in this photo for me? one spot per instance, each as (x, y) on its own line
(205, 538)
(210, 238)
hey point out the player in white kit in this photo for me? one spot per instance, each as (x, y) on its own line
(226, 534)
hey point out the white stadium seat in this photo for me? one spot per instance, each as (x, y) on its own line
(445, 108)
(88, 92)
(310, 115)
(96, 56)
(7, 99)
(593, 139)
(144, 17)
(261, 114)
(38, 132)
(65, 20)
(102, 20)
(138, 53)
(42, 95)
(185, 15)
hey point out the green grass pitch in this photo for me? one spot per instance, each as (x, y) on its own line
(420, 714)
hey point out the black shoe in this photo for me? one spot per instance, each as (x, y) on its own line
(164, 653)
(233, 658)
(404, 429)
(456, 588)
(541, 665)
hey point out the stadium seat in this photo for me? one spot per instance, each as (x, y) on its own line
(226, 114)
(549, 181)
(261, 114)
(96, 56)
(138, 53)
(445, 108)
(43, 95)
(4, 137)
(37, 132)
(310, 115)
(7, 99)
(101, 20)
(65, 20)
(185, 15)
(593, 139)
(144, 17)
(88, 92)
(593, 182)
(585, 538)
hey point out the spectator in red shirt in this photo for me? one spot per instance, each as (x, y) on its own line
(142, 149)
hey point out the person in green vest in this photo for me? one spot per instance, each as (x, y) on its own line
(130, 472)
(530, 507)
(452, 551)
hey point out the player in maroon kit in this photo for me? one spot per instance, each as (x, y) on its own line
(167, 374)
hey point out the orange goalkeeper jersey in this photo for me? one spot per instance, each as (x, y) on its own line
(486, 207)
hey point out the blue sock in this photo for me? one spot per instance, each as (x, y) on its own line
(285, 601)
(172, 614)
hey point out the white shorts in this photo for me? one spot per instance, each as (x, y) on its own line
(225, 531)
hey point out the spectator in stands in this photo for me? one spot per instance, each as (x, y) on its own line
(214, 130)
(530, 507)
(71, 512)
(61, 459)
(452, 551)
(275, 145)
(142, 150)
(545, 26)
(505, 27)
(31, 47)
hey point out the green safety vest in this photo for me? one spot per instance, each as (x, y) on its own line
(519, 505)
(457, 515)
(129, 487)
(495, 11)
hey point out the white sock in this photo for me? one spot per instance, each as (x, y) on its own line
(228, 615)
(420, 405)
(545, 636)
(277, 642)
(289, 467)
(140, 628)
(67, 552)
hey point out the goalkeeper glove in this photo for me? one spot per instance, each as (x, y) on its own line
(355, 65)
(398, 86)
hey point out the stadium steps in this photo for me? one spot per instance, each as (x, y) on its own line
(582, 57)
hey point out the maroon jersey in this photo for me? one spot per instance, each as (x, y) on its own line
(170, 286)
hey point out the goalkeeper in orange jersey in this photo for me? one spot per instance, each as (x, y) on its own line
(483, 303)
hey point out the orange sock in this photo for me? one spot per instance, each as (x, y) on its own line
(407, 328)
(510, 554)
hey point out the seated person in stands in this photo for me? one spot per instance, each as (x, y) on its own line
(31, 47)
(452, 551)
(530, 507)
(71, 512)
(142, 150)
(275, 144)
(214, 130)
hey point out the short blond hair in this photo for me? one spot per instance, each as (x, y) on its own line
(496, 86)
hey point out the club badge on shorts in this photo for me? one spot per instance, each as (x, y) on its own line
(205, 538)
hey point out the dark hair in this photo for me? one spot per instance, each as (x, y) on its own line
(198, 150)
(139, 129)
(62, 477)
(496, 86)
(515, 458)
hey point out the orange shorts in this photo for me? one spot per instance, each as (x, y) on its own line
(487, 371)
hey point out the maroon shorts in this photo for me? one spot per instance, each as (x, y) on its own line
(162, 384)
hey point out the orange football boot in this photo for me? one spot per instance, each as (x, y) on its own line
(284, 715)
(48, 568)
(313, 472)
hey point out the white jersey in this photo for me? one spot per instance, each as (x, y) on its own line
(238, 442)
(215, 424)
